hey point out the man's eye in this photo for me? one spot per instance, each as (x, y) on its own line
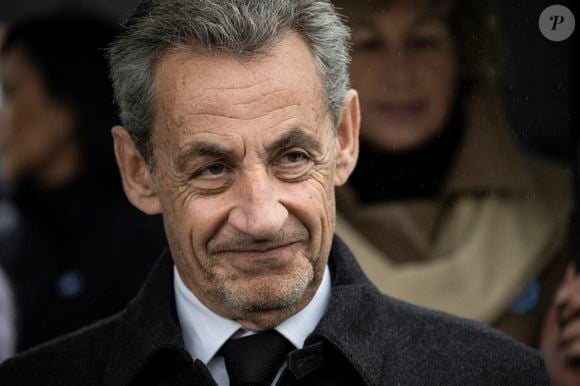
(294, 157)
(293, 165)
(213, 170)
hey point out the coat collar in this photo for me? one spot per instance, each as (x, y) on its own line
(149, 324)
(353, 324)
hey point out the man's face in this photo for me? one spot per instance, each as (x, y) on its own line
(245, 160)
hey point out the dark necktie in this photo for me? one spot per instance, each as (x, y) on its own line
(255, 359)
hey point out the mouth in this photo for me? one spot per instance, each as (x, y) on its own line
(260, 248)
(401, 110)
(258, 252)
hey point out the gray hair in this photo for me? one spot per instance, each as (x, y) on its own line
(240, 27)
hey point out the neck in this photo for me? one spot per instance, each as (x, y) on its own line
(381, 175)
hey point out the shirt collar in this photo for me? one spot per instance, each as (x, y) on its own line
(204, 331)
(297, 328)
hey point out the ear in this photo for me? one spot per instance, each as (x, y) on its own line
(138, 183)
(347, 140)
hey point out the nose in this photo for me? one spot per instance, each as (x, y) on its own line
(398, 69)
(259, 212)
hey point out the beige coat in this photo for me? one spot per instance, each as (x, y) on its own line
(499, 222)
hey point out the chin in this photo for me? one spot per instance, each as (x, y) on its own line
(267, 293)
(400, 140)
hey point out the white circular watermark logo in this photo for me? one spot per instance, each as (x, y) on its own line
(557, 23)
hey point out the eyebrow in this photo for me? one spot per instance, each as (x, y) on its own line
(202, 150)
(429, 18)
(423, 18)
(296, 137)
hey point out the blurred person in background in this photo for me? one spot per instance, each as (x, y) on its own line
(443, 209)
(81, 250)
(7, 327)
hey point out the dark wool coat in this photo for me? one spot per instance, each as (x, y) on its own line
(365, 338)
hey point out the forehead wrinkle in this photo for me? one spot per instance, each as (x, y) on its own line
(223, 115)
(284, 95)
(236, 104)
(181, 86)
(205, 64)
(259, 98)
(234, 88)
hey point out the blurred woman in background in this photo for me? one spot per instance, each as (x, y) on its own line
(443, 209)
(7, 323)
(81, 251)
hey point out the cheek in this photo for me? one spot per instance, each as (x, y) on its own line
(23, 139)
(34, 127)
(207, 215)
(322, 213)
(195, 218)
(312, 202)
(440, 83)
(20, 125)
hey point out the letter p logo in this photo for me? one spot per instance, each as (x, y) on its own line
(557, 23)
(559, 19)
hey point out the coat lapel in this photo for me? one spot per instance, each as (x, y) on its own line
(354, 323)
(147, 327)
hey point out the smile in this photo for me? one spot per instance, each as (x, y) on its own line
(259, 251)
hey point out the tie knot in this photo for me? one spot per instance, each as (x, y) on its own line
(255, 359)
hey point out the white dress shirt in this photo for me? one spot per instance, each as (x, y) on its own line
(204, 332)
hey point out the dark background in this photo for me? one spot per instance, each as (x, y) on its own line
(536, 74)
